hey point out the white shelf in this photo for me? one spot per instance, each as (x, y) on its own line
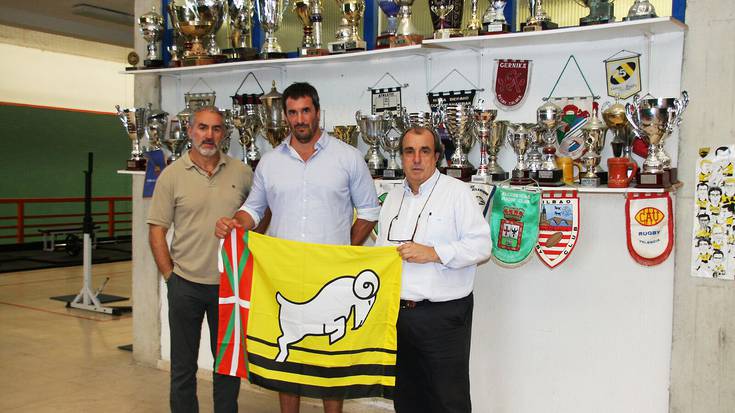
(360, 57)
(126, 172)
(634, 28)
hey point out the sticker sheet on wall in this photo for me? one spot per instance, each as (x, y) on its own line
(713, 243)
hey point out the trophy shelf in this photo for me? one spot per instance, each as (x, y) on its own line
(623, 29)
(359, 57)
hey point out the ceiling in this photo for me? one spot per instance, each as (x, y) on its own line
(106, 21)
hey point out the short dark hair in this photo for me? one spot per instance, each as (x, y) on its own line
(299, 90)
(438, 147)
(702, 185)
(702, 240)
(714, 189)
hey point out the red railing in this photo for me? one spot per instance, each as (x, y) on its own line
(112, 217)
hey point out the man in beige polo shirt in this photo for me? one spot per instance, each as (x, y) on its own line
(192, 193)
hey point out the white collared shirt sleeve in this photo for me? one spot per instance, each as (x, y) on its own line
(257, 201)
(362, 192)
(474, 243)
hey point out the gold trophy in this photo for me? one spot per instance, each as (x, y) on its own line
(240, 13)
(304, 10)
(346, 133)
(195, 20)
(538, 20)
(349, 41)
(274, 126)
(446, 15)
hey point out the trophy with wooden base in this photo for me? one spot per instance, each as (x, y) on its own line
(593, 133)
(519, 138)
(196, 20)
(241, 23)
(134, 121)
(270, 15)
(350, 41)
(304, 11)
(653, 120)
(538, 20)
(406, 33)
(151, 27)
(493, 21)
(483, 125)
(390, 9)
(446, 15)
(373, 128)
(458, 120)
(548, 117)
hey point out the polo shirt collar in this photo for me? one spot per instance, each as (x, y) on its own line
(188, 163)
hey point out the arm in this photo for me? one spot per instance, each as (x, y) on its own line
(159, 248)
(225, 225)
(251, 213)
(360, 231)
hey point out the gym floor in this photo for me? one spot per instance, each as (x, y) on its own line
(56, 359)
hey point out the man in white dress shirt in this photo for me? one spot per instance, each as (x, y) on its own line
(310, 183)
(441, 235)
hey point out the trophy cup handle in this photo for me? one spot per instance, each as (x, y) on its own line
(358, 115)
(172, 16)
(631, 113)
(681, 105)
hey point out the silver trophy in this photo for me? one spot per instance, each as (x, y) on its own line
(155, 128)
(458, 121)
(270, 15)
(406, 33)
(483, 128)
(493, 21)
(212, 47)
(151, 27)
(176, 141)
(641, 9)
(373, 128)
(427, 120)
(548, 117)
(247, 118)
(534, 159)
(653, 120)
(538, 19)
(240, 13)
(275, 127)
(593, 133)
(134, 122)
(229, 125)
(192, 102)
(519, 138)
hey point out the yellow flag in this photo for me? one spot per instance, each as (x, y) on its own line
(322, 318)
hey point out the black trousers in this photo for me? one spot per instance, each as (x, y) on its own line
(188, 302)
(433, 363)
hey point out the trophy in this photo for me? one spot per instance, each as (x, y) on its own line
(228, 126)
(240, 13)
(271, 116)
(373, 128)
(533, 154)
(349, 41)
(196, 19)
(406, 33)
(155, 128)
(493, 21)
(548, 117)
(176, 140)
(641, 9)
(593, 133)
(176, 50)
(474, 25)
(458, 120)
(446, 15)
(483, 124)
(346, 133)
(303, 9)
(270, 15)
(192, 102)
(538, 20)
(212, 48)
(134, 122)
(427, 120)
(653, 119)
(519, 138)
(614, 117)
(151, 27)
(246, 117)
(390, 9)
(601, 11)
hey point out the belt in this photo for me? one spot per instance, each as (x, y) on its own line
(409, 304)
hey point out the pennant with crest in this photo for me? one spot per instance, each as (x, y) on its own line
(512, 78)
(514, 225)
(649, 226)
(558, 226)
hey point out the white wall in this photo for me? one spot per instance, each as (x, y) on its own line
(35, 74)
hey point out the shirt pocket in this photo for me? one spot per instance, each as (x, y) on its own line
(439, 229)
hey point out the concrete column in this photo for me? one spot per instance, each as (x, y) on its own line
(701, 369)
(146, 294)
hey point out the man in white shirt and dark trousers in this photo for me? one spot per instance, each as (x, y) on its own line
(441, 236)
(310, 183)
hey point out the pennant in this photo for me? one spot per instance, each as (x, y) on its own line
(386, 100)
(575, 112)
(514, 225)
(153, 168)
(451, 98)
(511, 82)
(623, 76)
(234, 304)
(649, 227)
(484, 195)
(323, 318)
(558, 226)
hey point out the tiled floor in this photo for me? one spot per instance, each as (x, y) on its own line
(54, 359)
